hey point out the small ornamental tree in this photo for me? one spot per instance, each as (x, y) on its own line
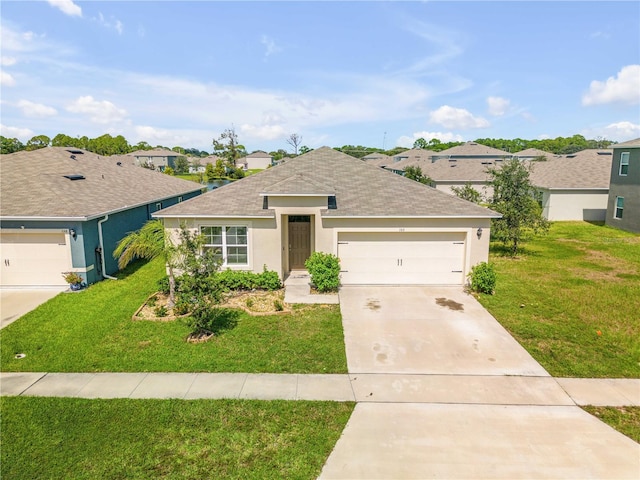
(514, 198)
(415, 173)
(467, 192)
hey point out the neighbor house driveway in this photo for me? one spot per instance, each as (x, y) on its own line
(446, 392)
(15, 302)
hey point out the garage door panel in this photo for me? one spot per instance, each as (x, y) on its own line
(402, 258)
(34, 259)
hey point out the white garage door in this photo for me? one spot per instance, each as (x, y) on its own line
(34, 259)
(401, 258)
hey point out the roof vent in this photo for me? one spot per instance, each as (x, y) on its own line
(74, 177)
(119, 164)
(605, 153)
(76, 152)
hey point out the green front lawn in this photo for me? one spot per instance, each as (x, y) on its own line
(142, 439)
(624, 419)
(92, 331)
(572, 299)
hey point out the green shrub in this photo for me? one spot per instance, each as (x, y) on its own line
(163, 285)
(208, 319)
(268, 280)
(277, 304)
(249, 302)
(244, 280)
(152, 301)
(324, 269)
(161, 311)
(483, 278)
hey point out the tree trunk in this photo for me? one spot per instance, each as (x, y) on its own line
(172, 288)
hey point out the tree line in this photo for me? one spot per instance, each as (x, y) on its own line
(228, 145)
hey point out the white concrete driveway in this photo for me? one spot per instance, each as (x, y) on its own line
(427, 330)
(449, 394)
(15, 302)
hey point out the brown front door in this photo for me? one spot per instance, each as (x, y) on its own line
(299, 240)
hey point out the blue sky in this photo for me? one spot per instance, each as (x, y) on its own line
(379, 74)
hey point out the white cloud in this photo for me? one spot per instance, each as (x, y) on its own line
(498, 106)
(263, 132)
(23, 134)
(619, 131)
(31, 109)
(7, 61)
(98, 111)
(625, 88)
(67, 7)
(444, 137)
(6, 79)
(270, 46)
(456, 118)
(109, 23)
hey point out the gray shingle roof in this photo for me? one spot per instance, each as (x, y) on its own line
(33, 184)
(472, 149)
(361, 190)
(156, 152)
(588, 169)
(631, 143)
(532, 153)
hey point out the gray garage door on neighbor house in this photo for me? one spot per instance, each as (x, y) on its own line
(402, 258)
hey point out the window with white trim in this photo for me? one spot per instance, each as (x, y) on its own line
(619, 207)
(624, 164)
(230, 243)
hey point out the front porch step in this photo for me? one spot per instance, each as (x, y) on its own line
(297, 289)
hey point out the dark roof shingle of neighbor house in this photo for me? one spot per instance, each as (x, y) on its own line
(587, 169)
(41, 184)
(361, 190)
(467, 170)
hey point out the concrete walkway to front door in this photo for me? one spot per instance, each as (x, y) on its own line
(452, 395)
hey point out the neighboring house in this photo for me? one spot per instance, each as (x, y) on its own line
(255, 161)
(377, 159)
(199, 164)
(531, 153)
(574, 187)
(65, 209)
(446, 174)
(623, 208)
(416, 157)
(385, 229)
(157, 159)
(471, 150)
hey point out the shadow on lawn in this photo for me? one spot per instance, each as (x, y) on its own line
(500, 250)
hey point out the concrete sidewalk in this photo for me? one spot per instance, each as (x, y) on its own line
(368, 388)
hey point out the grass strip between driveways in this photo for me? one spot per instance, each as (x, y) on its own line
(626, 420)
(92, 331)
(572, 299)
(70, 438)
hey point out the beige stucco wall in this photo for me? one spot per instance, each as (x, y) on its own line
(586, 205)
(268, 242)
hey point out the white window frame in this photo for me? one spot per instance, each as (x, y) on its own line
(617, 207)
(224, 247)
(624, 162)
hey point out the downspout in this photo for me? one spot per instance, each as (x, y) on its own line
(104, 271)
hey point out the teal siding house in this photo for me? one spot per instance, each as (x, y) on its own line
(65, 210)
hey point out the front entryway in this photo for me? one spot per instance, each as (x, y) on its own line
(299, 240)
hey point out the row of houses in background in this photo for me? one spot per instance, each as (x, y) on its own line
(581, 186)
(65, 209)
(161, 158)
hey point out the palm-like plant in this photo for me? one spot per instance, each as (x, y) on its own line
(149, 242)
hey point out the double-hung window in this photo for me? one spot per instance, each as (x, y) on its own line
(619, 207)
(624, 164)
(229, 243)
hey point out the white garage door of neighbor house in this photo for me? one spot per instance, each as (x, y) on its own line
(407, 258)
(34, 259)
